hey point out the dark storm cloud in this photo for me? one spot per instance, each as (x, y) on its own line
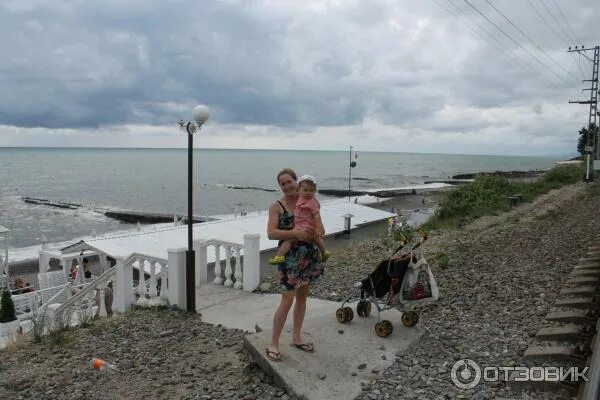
(82, 64)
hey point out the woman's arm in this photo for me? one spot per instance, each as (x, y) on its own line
(274, 233)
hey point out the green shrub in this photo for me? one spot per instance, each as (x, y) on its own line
(402, 232)
(488, 194)
(7, 308)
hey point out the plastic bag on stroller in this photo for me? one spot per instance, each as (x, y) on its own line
(419, 284)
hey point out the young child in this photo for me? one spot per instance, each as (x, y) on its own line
(307, 217)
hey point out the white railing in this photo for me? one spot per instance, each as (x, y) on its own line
(165, 282)
(239, 272)
(26, 303)
(232, 275)
(149, 292)
(84, 300)
(152, 291)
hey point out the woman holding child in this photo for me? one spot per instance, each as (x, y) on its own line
(300, 262)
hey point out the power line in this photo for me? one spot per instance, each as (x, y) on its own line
(566, 21)
(528, 38)
(546, 22)
(497, 43)
(505, 49)
(555, 20)
(517, 43)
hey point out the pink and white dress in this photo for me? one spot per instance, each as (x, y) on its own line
(304, 214)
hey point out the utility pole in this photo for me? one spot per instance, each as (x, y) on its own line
(350, 176)
(592, 149)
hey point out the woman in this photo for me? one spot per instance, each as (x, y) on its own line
(302, 265)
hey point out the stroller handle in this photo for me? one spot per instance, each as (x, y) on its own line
(416, 246)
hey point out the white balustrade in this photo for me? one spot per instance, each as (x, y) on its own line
(228, 271)
(141, 287)
(152, 292)
(89, 299)
(164, 283)
(218, 275)
(238, 269)
(245, 275)
(102, 302)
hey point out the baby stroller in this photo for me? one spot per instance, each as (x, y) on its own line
(386, 288)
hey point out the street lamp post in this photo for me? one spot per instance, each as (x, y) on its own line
(200, 114)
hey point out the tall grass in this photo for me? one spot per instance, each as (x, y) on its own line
(488, 195)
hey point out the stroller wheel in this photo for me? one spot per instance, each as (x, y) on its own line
(348, 314)
(384, 328)
(410, 318)
(339, 315)
(363, 308)
(360, 307)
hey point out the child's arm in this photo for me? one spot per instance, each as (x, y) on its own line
(319, 223)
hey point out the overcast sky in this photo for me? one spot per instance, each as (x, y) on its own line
(397, 75)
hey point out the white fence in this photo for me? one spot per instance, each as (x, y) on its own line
(159, 281)
(238, 272)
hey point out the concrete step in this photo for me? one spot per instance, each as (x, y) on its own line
(588, 264)
(567, 333)
(583, 281)
(571, 316)
(576, 302)
(585, 272)
(553, 353)
(590, 259)
(582, 267)
(581, 290)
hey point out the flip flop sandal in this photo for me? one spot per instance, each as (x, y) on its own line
(306, 347)
(273, 355)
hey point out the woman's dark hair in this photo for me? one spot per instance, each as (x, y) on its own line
(289, 172)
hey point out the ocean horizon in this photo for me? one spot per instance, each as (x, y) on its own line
(558, 156)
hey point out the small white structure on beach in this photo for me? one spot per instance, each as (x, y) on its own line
(155, 241)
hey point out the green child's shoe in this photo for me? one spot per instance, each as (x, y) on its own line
(277, 260)
(325, 256)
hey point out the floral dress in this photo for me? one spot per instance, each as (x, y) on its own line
(302, 263)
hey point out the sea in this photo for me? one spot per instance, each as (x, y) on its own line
(224, 182)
